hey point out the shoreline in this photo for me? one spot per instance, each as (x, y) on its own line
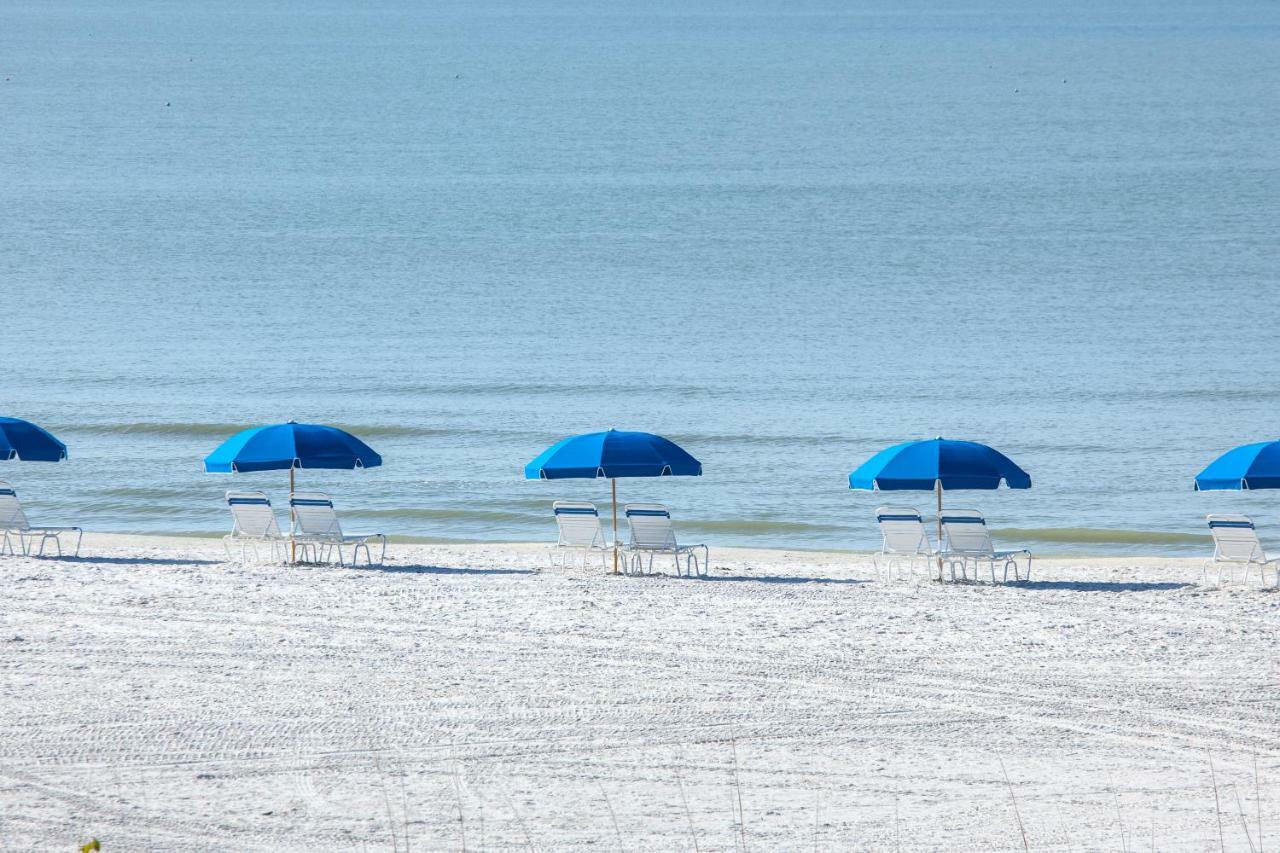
(768, 554)
(114, 538)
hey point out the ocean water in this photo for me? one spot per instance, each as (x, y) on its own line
(783, 234)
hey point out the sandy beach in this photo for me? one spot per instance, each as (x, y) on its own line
(472, 697)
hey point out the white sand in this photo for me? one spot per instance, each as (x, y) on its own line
(159, 698)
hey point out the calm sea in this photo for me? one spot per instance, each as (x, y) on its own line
(784, 234)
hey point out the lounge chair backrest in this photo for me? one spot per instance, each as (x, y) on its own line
(1235, 538)
(966, 530)
(903, 530)
(252, 514)
(651, 526)
(579, 524)
(313, 514)
(11, 515)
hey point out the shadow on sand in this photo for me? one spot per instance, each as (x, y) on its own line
(127, 561)
(441, 570)
(782, 579)
(1102, 586)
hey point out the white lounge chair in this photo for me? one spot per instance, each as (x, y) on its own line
(580, 533)
(652, 533)
(966, 539)
(1236, 543)
(317, 531)
(253, 523)
(16, 528)
(904, 541)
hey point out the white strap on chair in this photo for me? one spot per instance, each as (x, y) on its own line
(253, 516)
(11, 515)
(902, 531)
(579, 524)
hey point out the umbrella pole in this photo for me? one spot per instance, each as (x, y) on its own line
(613, 483)
(293, 545)
(937, 487)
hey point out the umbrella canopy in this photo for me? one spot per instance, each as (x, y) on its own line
(291, 445)
(1251, 466)
(937, 465)
(925, 465)
(611, 455)
(27, 442)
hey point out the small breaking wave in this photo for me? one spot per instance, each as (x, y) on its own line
(480, 516)
(217, 431)
(202, 430)
(761, 527)
(1102, 536)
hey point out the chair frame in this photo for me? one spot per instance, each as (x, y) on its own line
(635, 550)
(1224, 544)
(323, 544)
(894, 552)
(961, 557)
(17, 528)
(271, 534)
(570, 540)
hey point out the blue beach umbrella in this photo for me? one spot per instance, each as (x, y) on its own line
(611, 455)
(936, 465)
(1250, 466)
(292, 445)
(26, 442)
